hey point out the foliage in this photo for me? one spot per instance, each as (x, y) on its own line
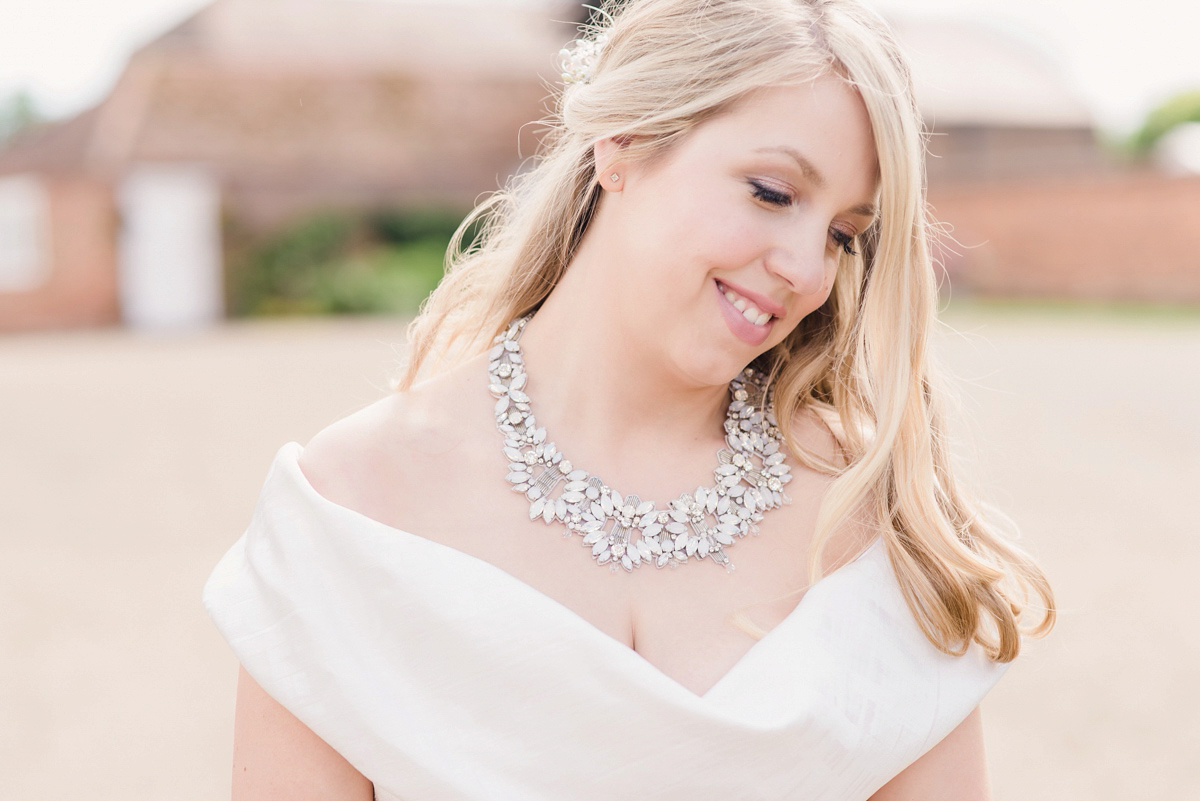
(335, 263)
(1183, 107)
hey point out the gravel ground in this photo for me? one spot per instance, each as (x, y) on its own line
(131, 462)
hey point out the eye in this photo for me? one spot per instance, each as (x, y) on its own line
(768, 195)
(844, 241)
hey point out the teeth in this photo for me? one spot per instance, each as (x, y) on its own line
(748, 309)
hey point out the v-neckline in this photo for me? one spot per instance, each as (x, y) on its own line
(578, 621)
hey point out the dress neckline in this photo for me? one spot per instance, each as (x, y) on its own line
(289, 455)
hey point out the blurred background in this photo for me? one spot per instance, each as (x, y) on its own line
(216, 217)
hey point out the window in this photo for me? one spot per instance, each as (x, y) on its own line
(23, 233)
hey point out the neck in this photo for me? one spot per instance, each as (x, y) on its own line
(602, 393)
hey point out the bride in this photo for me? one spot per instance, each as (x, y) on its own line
(694, 341)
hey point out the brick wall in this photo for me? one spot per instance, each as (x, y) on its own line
(81, 288)
(1124, 236)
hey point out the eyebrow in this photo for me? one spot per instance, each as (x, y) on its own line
(814, 176)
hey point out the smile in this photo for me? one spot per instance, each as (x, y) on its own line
(746, 307)
(745, 319)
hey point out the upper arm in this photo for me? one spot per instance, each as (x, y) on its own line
(276, 756)
(953, 770)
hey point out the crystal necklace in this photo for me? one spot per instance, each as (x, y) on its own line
(750, 477)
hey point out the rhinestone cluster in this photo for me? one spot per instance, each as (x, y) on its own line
(750, 478)
(579, 58)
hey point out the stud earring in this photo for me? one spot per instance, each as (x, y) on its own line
(615, 177)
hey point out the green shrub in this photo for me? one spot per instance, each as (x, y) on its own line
(1183, 107)
(380, 263)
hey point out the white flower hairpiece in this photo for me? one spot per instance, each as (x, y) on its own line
(579, 58)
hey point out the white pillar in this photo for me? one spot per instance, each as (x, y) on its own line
(170, 247)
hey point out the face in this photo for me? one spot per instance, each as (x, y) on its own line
(734, 235)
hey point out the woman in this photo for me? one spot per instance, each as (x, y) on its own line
(718, 277)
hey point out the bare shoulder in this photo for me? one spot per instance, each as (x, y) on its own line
(817, 432)
(400, 440)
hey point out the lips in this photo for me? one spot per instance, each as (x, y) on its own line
(742, 314)
(746, 306)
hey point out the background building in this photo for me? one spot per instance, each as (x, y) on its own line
(253, 113)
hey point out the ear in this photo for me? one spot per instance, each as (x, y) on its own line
(610, 172)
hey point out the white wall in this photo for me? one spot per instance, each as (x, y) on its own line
(170, 247)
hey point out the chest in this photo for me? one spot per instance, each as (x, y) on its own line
(693, 622)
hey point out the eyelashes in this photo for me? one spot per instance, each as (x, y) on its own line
(774, 197)
(844, 241)
(771, 196)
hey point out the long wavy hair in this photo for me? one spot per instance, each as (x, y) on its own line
(861, 362)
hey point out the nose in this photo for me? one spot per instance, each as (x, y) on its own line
(802, 260)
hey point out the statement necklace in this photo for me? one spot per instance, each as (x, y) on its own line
(750, 477)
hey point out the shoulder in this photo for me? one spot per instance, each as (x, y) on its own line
(816, 433)
(400, 440)
(817, 443)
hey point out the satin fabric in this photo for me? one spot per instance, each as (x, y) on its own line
(442, 678)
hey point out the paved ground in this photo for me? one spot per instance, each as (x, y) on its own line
(129, 463)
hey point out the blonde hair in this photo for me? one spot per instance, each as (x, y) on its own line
(860, 362)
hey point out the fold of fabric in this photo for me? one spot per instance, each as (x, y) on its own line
(441, 677)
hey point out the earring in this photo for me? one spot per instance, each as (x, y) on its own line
(615, 177)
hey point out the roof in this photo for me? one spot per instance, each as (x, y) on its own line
(973, 72)
(53, 147)
(514, 38)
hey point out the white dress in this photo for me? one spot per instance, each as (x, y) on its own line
(442, 678)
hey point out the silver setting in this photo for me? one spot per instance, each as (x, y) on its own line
(624, 530)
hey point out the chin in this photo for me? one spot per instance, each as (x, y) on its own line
(714, 367)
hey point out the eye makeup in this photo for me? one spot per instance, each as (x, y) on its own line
(774, 197)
